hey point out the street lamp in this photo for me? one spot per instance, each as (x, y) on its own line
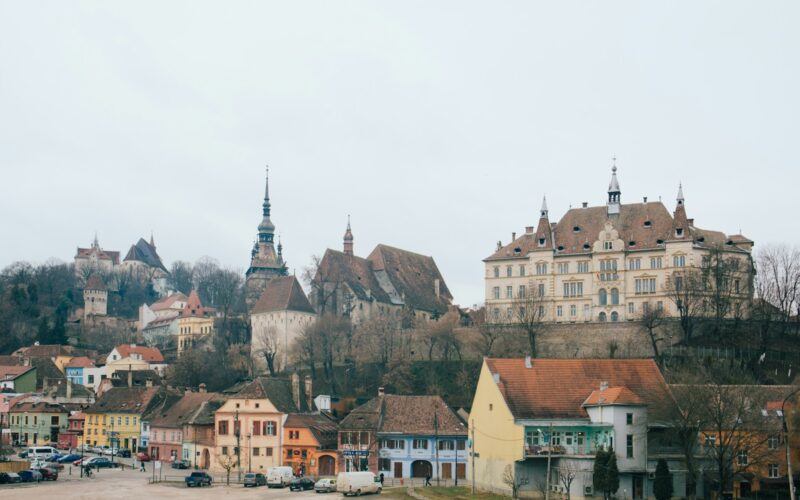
(237, 433)
(788, 447)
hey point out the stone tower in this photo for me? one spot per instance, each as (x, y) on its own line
(95, 297)
(265, 262)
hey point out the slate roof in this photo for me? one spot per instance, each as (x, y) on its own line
(278, 391)
(136, 400)
(283, 293)
(182, 411)
(557, 388)
(95, 283)
(613, 396)
(580, 227)
(149, 354)
(322, 426)
(413, 276)
(142, 251)
(414, 415)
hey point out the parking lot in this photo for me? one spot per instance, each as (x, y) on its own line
(117, 483)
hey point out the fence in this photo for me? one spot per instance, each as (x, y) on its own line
(732, 353)
(14, 466)
(220, 479)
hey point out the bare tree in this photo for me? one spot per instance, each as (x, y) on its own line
(686, 289)
(322, 293)
(566, 475)
(778, 284)
(651, 322)
(726, 283)
(512, 481)
(267, 345)
(227, 462)
(489, 335)
(527, 313)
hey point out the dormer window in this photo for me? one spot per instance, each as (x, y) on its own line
(560, 248)
(679, 232)
(659, 242)
(607, 245)
(586, 246)
(541, 242)
(701, 239)
(576, 229)
(631, 243)
(648, 223)
(517, 251)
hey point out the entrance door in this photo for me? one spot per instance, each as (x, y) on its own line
(327, 465)
(447, 472)
(398, 470)
(638, 487)
(421, 468)
(205, 461)
(744, 489)
(461, 471)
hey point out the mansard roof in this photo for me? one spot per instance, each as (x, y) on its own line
(283, 293)
(144, 252)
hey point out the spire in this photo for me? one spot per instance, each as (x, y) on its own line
(95, 243)
(266, 229)
(266, 204)
(280, 248)
(614, 191)
(680, 194)
(348, 239)
(543, 212)
(152, 241)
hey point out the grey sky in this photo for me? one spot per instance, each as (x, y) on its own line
(437, 125)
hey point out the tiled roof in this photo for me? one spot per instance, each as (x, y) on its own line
(111, 255)
(193, 307)
(204, 414)
(37, 407)
(127, 400)
(157, 323)
(45, 351)
(149, 354)
(80, 362)
(283, 293)
(182, 411)
(613, 396)
(323, 427)
(12, 372)
(47, 372)
(413, 277)
(278, 391)
(557, 388)
(142, 251)
(355, 272)
(95, 283)
(60, 391)
(643, 224)
(416, 415)
(167, 302)
(139, 378)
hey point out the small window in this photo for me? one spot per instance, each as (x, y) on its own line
(541, 242)
(586, 246)
(648, 223)
(679, 231)
(659, 242)
(560, 248)
(629, 418)
(576, 229)
(631, 243)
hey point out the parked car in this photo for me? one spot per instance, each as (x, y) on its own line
(278, 477)
(198, 479)
(12, 477)
(357, 483)
(5, 478)
(85, 447)
(30, 476)
(68, 459)
(325, 485)
(181, 464)
(301, 484)
(48, 474)
(254, 479)
(142, 457)
(100, 450)
(53, 458)
(124, 453)
(100, 463)
(23, 454)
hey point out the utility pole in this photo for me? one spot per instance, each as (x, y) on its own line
(436, 445)
(788, 446)
(549, 455)
(472, 453)
(238, 433)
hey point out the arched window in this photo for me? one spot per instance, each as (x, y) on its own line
(603, 297)
(602, 317)
(614, 296)
(614, 317)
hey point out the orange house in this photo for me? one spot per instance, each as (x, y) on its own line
(309, 444)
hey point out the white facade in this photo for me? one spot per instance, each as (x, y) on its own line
(284, 326)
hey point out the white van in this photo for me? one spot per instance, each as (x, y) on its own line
(278, 477)
(41, 452)
(356, 483)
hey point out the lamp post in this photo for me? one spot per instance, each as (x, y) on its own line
(237, 433)
(549, 455)
(788, 447)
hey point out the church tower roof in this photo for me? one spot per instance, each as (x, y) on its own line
(348, 239)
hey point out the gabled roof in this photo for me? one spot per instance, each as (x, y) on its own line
(415, 415)
(283, 293)
(14, 371)
(149, 354)
(80, 362)
(182, 411)
(278, 391)
(59, 390)
(413, 277)
(355, 272)
(167, 302)
(557, 388)
(204, 414)
(95, 283)
(193, 307)
(111, 255)
(139, 378)
(136, 400)
(37, 407)
(322, 426)
(142, 251)
(613, 396)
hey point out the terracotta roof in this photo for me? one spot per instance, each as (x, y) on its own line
(149, 354)
(156, 323)
(111, 255)
(644, 224)
(142, 251)
(10, 360)
(167, 302)
(12, 372)
(415, 415)
(182, 410)
(80, 362)
(78, 415)
(413, 277)
(283, 294)
(45, 351)
(613, 396)
(127, 400)
(277, 390)
(193, 307)
(323, 427)
(355, 272)
(557, 388)
(95, 283)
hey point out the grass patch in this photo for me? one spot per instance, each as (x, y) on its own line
(443, 493)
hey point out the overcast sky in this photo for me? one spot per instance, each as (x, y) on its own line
(437, 125)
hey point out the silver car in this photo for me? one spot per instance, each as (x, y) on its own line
(325, 485)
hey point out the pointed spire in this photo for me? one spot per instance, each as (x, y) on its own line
(613, 190)
(543, 212)
(348, 238)
(280, 247)
(152, 241)
(95, 243)
(680, 194)
(266, 204)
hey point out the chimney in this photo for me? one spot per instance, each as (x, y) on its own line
(585, 204)
(645, 199)
(528, 229)
(130, 376)
(514, 236)
(499, 244)
(690, 221)
(436, 287)
(296, 390)
(381, 391)
(69, 390)
(201, 387)
(309, 392)
(148, 383)
(528, 363)
(603, 386)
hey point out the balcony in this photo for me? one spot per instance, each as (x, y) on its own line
(534, 451)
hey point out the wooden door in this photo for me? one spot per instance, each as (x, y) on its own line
(398, 470)
(447, 472)
(461, 471)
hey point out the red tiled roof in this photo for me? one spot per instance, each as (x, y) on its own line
(282, 294)
(613, 396)
(557, 388)
(149, 354)
(111, 255)
(12, 372)
(193, 307)
(418, 415)
(80, 362)
(167, 302)
(95, 283)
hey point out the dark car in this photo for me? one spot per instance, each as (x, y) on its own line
(101, 463)
(124, 453)
(54, 458)
(181, 464)
(23, 454)
(198, 479)
(9, 477)
(68, 459)
(254, 479)
(301, 484)
(48, 474)
(29, 476)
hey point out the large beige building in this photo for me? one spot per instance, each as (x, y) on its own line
(604, 263)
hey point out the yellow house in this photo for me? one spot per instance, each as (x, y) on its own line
(115, 419)
(195, 324)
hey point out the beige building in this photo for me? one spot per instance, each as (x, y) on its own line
(95, 297)
(95, 260)
(195, 324)
(606, 263)
(277, 319)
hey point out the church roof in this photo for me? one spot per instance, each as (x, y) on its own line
(355, 272)
(283, 293)
(413, 277)
(144, 252)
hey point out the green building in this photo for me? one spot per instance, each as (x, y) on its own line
(18, 379)
(37, 423)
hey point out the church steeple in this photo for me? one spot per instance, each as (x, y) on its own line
(680, 194)
(266, 205)
(266, 230)
(614, 193)
(348, 239)
(543, 211)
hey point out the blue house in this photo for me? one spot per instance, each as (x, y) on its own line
(74, 369)
(404, 437)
